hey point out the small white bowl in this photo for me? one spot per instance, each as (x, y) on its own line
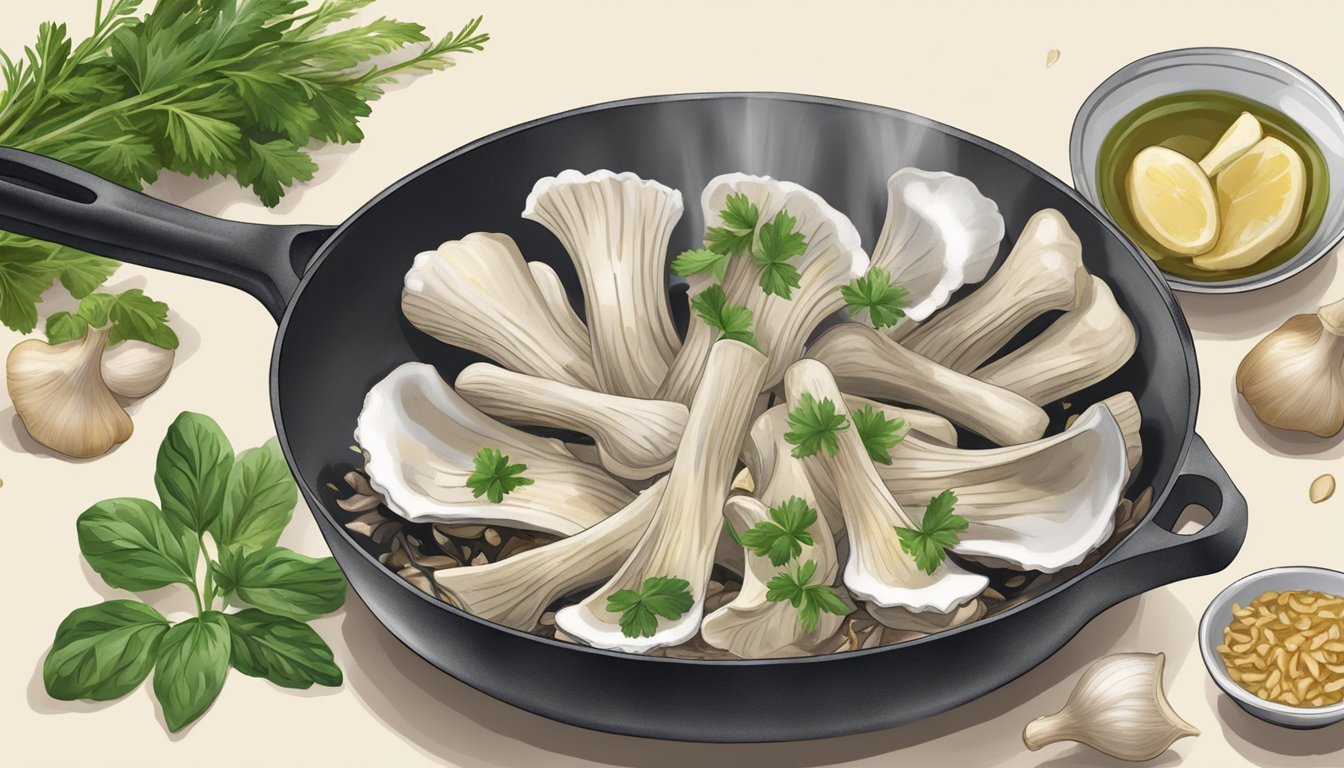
(1219, 615)
(1250, 75)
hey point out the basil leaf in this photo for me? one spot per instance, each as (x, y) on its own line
(104, 651)
(286, 583)
(195, 459)
(286, 652)
(193, 660)
(133, 545)
(226, 568)
(259, 499)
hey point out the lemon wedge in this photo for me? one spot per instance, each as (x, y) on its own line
(1260, 197)
(1172, 200)
(1244, 133)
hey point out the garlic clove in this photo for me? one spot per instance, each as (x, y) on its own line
(58, 391)
(136, 368)
(1118, 707)
(1294, 378)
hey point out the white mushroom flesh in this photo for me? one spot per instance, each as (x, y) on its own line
(557, 301)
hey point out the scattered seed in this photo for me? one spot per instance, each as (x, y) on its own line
(1051, 56)
(492, 537)
(1322, 488)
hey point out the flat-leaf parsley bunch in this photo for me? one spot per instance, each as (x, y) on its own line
(209, 500)
(240, 88)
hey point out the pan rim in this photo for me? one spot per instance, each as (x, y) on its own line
(313, 499)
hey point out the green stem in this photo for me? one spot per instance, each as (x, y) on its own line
(209, 575)
(200, 606)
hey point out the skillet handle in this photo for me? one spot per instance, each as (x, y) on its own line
(1153, 555)
(50, 200)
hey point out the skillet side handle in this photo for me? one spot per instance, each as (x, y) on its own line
(1153, 556)
(50, 200)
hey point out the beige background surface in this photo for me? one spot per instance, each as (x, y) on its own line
(976, 65)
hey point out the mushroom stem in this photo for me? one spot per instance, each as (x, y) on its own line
(1332, 317)
(636, 438)
(680, 540)
(869, 364)
(1043, 272)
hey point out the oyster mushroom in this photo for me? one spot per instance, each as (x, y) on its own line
(832, 259)
(135, 368)
(1078, 350)
(940, 234)
(1294, 378)
(869, 364)
(927, 622)
(1039, 506)
(555, 295)
(1043, 272)
(636, 439)
(878, 570)
(477, 293)
(616, 227)
(516, 591)
(421, 437)
(59, 392)
(930, 426)
(681, 538)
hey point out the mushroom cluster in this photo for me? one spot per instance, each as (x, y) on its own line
(805, 437)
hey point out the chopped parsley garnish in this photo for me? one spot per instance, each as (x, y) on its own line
(781, 538)
(779, 242)
(875, 292)
(814, 425)
(739, 217)
(880, 434)
(701, 260)
(494, 476)
(732, 320)
(937, 532)
(664, 596)
(810, 599)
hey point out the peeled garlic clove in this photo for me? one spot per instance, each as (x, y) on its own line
(1118, 707)
(59, 393)
(1294, 378)
(136, 368)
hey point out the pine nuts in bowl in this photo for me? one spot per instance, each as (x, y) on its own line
(1274, 643)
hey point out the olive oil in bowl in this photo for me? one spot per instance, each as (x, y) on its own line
(1191, 123)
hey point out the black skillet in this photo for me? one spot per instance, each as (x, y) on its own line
(336, 292)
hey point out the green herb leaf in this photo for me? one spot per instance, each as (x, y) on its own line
(259, 499)
(286, 583)
(732, 320)
(814, 425)
(193, 661)
(779, 242)
(286, 652)
(782, 537)
(194, 462)
(810, 599)
(64, 326)
(937, 532)
(880, 434)
(133, 316)
(80, 273)
(24, 275)
(664, 596)
(104, 651)
(133, 545)
(494, 477)
(700, 260)
(739, 217)
(875, 293)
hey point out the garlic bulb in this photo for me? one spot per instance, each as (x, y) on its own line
(58, 391)
(136, 368)
(1294, 378)
(1118, 707)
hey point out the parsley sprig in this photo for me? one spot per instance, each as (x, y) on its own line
(665, 596)
(782, 537)
(937, 532)
(740, 217)
(779, 241)
(734, 321)
(494, 477)
(879, 433)
(698, 260)
(814, 425)
(771, 249)
(133, 315)
(810, 599)
(240, 89)
(875, 293)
